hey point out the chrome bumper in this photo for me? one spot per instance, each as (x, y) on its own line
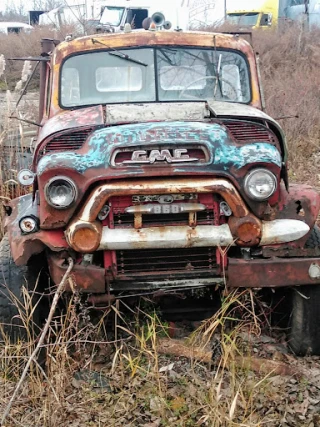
(86, 234)
(273, 232)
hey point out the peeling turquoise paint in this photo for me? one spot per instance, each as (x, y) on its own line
(238, 157)
(224, 154)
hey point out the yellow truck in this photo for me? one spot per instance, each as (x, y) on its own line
(254, 13)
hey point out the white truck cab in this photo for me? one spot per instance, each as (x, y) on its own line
(115, 14)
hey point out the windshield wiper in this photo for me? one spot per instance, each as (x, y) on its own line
(119, 54)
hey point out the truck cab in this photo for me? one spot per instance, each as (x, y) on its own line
(114, 15)
(253, 14)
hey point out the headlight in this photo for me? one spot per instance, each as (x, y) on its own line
(260, 184)
(60, 192)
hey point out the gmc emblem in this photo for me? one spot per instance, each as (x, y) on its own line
(177, 155)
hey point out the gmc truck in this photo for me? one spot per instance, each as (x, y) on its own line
(156, 169)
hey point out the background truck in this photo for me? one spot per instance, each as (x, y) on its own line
(111, 15)
(271, 13)
(253, 13)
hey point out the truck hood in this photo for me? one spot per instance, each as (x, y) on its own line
(101, 154)
(118, 114)
(153, 149)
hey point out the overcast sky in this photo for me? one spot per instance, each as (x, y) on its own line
(27, 4)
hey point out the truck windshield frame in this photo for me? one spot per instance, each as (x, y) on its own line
(248, 19)
(175, 73)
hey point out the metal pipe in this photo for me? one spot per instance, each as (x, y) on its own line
(102, 193)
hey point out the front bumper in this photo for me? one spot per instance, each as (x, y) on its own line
(86, 235)
(277, 231)
(257, 273)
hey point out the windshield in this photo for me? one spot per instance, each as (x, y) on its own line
(112, 15)
(148, 75)
(247, 19)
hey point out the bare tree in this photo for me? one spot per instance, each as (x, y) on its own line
(46, 4)
(14, 11)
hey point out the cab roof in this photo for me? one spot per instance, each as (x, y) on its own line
(139, 38)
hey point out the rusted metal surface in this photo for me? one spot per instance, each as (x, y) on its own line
(302, 202)
(101, 194)
(289, 250)
(236, 110)
(246, 230)
(133, 113)
(163, 237)
(114, 153)
(86, 236)
(24, 246)
(275, 272)
(90, 116)
(87, 278)
(94, 162)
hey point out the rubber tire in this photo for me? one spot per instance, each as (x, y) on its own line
(12, 280)
(304, 335)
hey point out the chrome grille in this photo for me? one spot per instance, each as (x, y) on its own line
(125, 220)
(166, 260)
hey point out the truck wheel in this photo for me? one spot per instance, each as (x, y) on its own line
(304, 336)
(19, 316)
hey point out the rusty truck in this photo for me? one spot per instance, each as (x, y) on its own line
(156, 168)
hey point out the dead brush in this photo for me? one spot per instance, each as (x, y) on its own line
(218, 392)
(15, 141)
(70, 346)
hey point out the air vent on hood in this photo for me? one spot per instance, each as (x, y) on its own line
(67, 142)
(248, 132)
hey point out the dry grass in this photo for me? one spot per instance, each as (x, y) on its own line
(88, 379)
(290, 64)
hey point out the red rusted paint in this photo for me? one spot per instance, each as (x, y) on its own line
(246, 230)
(24, 246)
(268, 273)
(302, 202)
(87, 278)
(83, 117)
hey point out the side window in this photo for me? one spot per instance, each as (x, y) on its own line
(136, 16)
(298, 2)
